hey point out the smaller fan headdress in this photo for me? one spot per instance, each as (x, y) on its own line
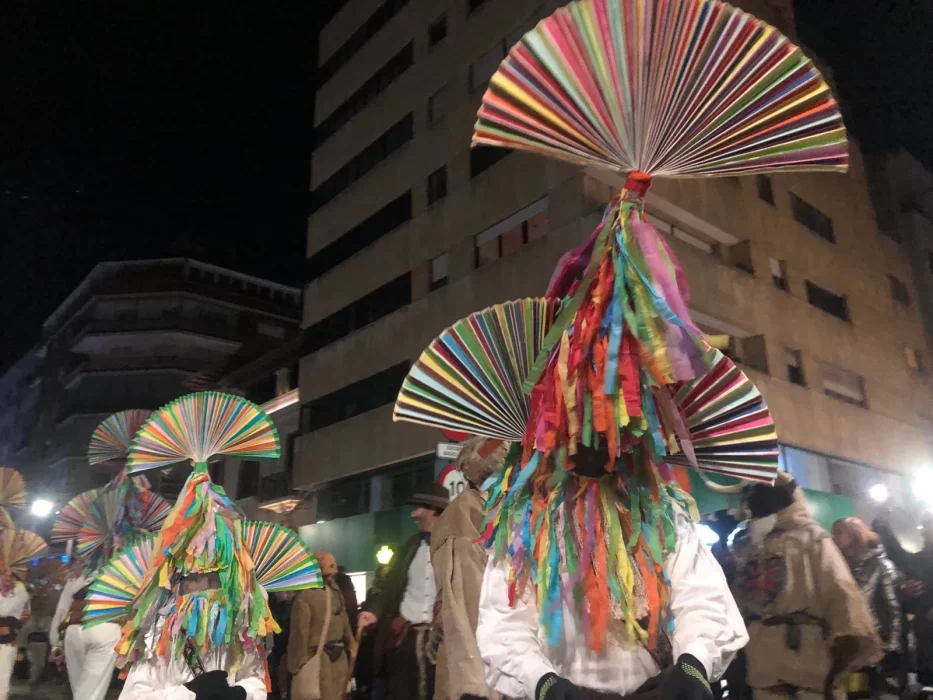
(17, 549)
(12, 494)
(201, 535)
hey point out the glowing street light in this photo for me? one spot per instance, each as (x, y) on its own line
(384, 555)
(42, 508)
(878, 493)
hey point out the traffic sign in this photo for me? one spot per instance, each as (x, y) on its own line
(448, 450)
(453, 480)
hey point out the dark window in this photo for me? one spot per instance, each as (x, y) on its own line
(217, 471)
(368, 309)
(273, 486)
(495, 243)
(437, 32)
(364, 234)
(377, 20)
(437, 184)
(779, 274)
(825, 300)
(363, 162)
(248, 483)
(765, 190)
(811, 217)
(899, 291)
(930, 260)
(474, 5)
(794, 364)
(439, 268)
(368, 92)
(484, 157)
(365, 395)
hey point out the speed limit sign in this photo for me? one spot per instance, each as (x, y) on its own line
(452, 479)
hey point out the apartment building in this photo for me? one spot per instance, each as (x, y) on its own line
(411, 230)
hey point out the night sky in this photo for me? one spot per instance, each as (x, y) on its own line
(146, 128)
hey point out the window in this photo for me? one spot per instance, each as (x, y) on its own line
(437, 185)
(793, 361)
(811, 217)
(765, 190)
(740, 255)
(437, 32)
(381, 389)
(843, 385)
(217, 471)
(474, 5)
(248, 484)
(482, 158)
(912, 358)
(930, 260)
(377, 20)
(378, 83)
(364, 161)
(439, 104)
(485, 67)
(510, 235)
(825, 300)
(361, 236)
(779, 274)
(272, 330)
(380, 302)
(439, 272)
(899, 291)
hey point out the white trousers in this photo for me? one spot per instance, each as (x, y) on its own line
(89, 656)
(7, 659)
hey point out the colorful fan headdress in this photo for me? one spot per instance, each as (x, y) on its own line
(17, 548)
(201, 536)
(606, 381)
(12, 494)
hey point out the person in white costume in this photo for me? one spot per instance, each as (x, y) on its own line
(88, 653)
(708, 627)
(13, 601)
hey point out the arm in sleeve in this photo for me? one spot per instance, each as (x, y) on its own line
(14, 605)
(507, 638)
(902, 559)
(143, 683)
(251, 676)
(298, 633)
(707, 622)
(843, 605)
(889, 582)
(64, 604)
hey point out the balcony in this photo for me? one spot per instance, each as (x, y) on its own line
(204, 331)
(128, 365)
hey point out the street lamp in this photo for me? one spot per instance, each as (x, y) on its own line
(42, 508)
(878, 493)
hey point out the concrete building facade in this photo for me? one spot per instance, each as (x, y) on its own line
(410, 230)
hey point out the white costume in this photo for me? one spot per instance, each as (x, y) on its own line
(707, 625)
(89, 653)
(12, 605)
(157, 678)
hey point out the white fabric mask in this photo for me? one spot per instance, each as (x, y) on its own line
(759, 528)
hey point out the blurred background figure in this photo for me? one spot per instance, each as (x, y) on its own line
(345, 584)
(916, 590)
(281, 606)
(363, 673)
(879, 580)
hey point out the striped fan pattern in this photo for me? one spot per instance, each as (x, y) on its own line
(470, 377)
(731, 429)
(114, 589)
(675, 88)
(17, 548)
(71, 519)
(283, 562)
(111, 439)
(198, 426)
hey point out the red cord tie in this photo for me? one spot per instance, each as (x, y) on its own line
(637, 183)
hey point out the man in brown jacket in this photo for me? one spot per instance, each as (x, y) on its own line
(459, 563)
(308, 620)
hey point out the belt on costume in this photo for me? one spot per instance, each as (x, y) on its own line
(649, 690)
(798, 618)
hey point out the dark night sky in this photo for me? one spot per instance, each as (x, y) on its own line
(145, 128)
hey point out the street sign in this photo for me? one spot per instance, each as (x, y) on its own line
(452, 480)
(448, 450)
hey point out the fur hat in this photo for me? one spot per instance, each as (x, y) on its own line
(327, 563)
(480, 458)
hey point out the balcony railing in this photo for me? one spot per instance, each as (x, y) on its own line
(202, 324)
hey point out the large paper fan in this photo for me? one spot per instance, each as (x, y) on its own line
(111, 439)
(201, 425)
(470, 377)
(675, 88)
(730, 427)
(18, 547)
(114, 589)
(71, 519)
(283, 562)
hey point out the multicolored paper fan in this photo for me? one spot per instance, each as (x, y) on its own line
(111, 439)
(153, 510)
(731, 430)
(17, 548)
(676, 88)
(70, 520)
(114, 589)
(283, 562)
(200, 425)
(470, 378)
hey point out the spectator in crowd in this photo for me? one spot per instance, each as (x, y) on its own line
(404, 610)
(345, 584)
(281, 606)
(878, 580)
